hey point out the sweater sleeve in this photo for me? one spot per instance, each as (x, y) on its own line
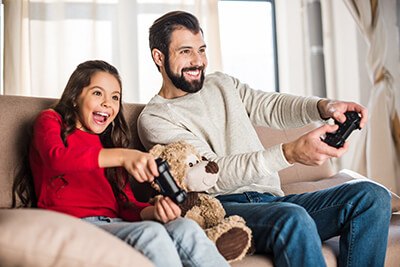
(50, 147)
(277, 110)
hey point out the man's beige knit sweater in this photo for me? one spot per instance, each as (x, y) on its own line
(219, 121)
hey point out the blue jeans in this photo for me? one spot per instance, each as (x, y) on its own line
(176, 243)
(292, 227)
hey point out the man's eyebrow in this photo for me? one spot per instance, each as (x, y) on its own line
(184, 47)
(190, 47)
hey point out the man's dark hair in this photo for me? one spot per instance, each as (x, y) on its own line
(162, 28)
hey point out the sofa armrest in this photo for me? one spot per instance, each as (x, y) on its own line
(41, 238)
(312, 186)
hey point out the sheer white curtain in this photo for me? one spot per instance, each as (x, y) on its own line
(46, 39)
(376, 156)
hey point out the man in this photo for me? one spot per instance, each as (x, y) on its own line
(216, 114)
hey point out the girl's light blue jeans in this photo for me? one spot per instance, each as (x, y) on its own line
(180, 242)
(292, 227)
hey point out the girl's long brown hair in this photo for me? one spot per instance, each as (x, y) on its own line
(116, 135)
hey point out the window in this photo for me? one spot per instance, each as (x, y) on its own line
(248, 43)
(57, 35)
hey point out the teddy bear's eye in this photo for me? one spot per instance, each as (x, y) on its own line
(190, 164)
(197, 161)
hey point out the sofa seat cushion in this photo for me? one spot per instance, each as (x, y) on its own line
(392, 253)
(257, 260)
(330, 249)
(41, 238)
(339, 178)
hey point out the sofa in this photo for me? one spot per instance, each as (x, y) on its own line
(39, 238)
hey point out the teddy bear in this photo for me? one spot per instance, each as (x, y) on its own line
(195, 175)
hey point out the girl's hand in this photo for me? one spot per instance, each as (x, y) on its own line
(166, 210)
(139, 164)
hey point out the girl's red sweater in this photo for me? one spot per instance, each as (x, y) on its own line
(68, 179)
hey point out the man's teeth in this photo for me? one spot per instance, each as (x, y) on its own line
(193, 72)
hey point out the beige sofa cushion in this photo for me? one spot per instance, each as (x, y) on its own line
(259, 260)
(339, 178)
(40, 238)
(297, 172)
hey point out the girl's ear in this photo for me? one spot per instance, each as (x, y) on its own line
(158, 57)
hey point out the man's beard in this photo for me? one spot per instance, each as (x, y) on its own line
(181, 83)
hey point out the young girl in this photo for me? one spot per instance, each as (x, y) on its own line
(76, 155)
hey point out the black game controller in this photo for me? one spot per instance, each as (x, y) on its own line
(338, 138)
(167, 183)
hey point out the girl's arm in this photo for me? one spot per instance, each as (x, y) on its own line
(139, 164)
(52, 150)
(164, 210)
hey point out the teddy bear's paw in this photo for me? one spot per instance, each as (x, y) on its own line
(240, 222)
(233, 240)
(235, 219)
(234, 244)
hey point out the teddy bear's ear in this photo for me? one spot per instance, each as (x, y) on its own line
(157, 150)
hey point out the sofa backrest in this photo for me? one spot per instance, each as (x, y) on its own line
(298, 172)
(17, 114)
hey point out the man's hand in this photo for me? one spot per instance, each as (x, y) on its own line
(310, 150)
(336, 109)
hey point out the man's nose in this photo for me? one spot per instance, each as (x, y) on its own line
(196, 59)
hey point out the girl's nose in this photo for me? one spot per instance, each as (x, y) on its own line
(106, 103)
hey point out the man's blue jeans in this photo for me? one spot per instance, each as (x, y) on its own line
(292, 227)
(176, 243)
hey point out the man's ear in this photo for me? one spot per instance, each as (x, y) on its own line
(158, 57)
